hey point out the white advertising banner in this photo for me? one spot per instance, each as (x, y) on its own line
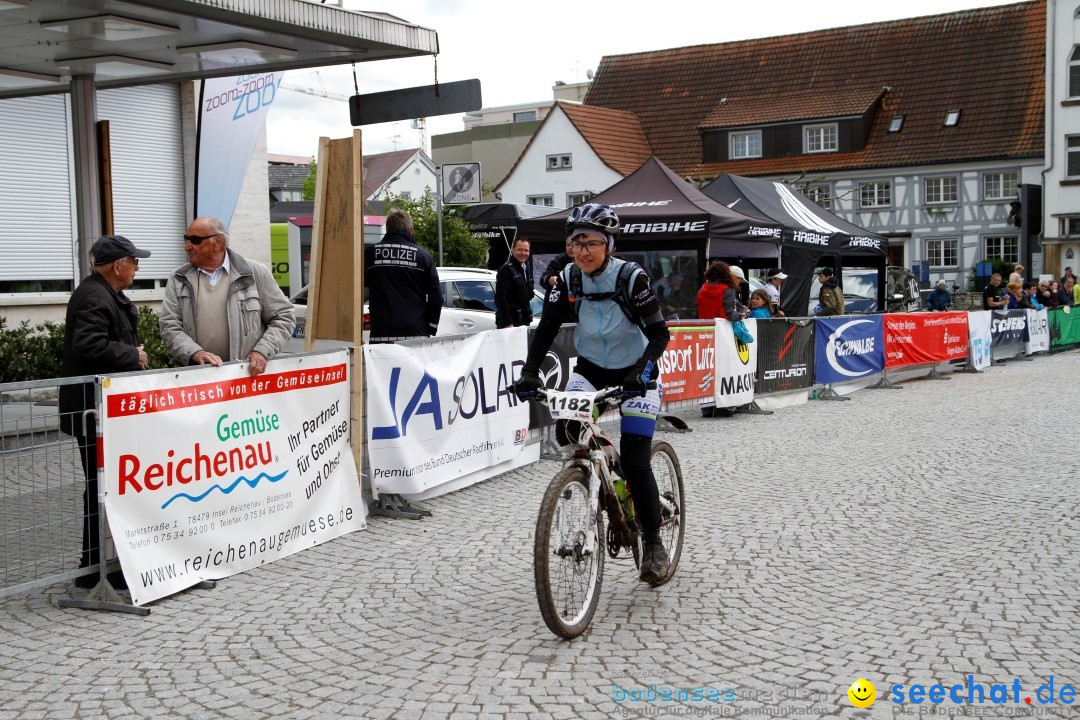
(211, 472)
(979, 323)
(232, 113)
(736, 366)
(1038, 332)
(439, 416)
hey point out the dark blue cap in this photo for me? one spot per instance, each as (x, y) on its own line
(110, 248)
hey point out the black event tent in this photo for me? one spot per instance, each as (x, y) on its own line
(670, 228)
(811, 235)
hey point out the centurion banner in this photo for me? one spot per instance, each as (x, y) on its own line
(1038, 332)
(979, 339)
(687, 363)
(1007, 330)
(232, 112)
(785, 355)
(736, 365)
(848, 348)
(440, 417)
(920, 338)
(210, 472)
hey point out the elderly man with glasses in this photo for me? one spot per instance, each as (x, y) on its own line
(220, 307)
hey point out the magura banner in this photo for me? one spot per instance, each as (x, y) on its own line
(687, 363)
(980, 340)
(1038, 332)
(211, 472)
(848, 348)
(921, 338)
(440, 417)
(232, 112)
(736, 365)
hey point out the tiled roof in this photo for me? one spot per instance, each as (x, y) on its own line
(987, 62)
(787, 106)
(288, 176)
(381, 167)
(615, 136)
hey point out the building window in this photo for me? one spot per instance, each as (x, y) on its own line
(405, 195)
(952, 117)
(558, 162)
(820, 138)
(1000, 185)
(938, 190)
(525, 116)
(745, 144)
(1006, 247)
(543, 200)
(573, 199)
(896, 123)
(1072, 153)
(1070, 227)
(820, 193)
(875, 194)
(943, 252)
(1074, 73)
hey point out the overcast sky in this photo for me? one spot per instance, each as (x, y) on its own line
(518, 51)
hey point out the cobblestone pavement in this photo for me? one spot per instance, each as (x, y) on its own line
(911, 536)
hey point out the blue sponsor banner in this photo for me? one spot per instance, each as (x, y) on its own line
(848, 348)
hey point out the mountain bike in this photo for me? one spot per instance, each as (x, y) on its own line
(961, 299)
(570, 541)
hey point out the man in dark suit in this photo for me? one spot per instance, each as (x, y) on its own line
(99, 337)
(514, 287)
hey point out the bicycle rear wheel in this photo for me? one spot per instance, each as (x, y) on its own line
(568, 559)
(962, 300)
(669, 481)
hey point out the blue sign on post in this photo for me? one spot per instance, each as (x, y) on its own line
(848, 348)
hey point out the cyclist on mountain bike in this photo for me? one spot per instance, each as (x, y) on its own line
(619, 338)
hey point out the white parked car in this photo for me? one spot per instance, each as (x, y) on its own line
(468, 306)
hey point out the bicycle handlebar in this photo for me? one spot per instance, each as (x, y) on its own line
(601, 395)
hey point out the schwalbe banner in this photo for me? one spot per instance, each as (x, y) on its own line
(439, 416)
(848, 347)
(210, 472)
(232, 112)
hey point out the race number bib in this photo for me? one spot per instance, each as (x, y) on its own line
(570, 405)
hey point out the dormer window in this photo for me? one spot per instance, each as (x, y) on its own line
(952, 117)
(896, 123)
(745, 145)
(820, 138)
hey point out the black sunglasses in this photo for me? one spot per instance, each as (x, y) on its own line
(197, 239)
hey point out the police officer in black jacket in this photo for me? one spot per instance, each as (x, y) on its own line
(404, 297)
(514, 288)
(99, 337)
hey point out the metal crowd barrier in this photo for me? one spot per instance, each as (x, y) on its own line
(41, 488)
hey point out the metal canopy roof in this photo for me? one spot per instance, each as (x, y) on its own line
(43, 43)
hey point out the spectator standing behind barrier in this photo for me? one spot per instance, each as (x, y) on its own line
(220, 307)
(514, 288)
(742, 288)
(550, 276)
(992, 294)
(1014, 296)
(830, 297)
(939, 298)
(1031, 294)
(1017, 275)
(1053, 299)
(759, 305)
(1044, 295)
(773, 288)
(1068, 274)
(404, 296)
(100, 337)
(1065, 293)
(717, 298)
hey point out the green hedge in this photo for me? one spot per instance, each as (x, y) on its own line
(34, 353)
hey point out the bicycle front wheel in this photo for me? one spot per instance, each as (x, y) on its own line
(568, 557)
(962, 301)
(668, 474)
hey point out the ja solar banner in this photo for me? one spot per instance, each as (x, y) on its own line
(848, 348)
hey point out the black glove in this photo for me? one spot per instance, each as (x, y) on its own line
(637, 380)
(528, 384)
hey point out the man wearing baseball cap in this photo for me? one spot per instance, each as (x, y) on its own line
(100, 337)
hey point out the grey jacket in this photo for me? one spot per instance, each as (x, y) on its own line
(260, 316)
